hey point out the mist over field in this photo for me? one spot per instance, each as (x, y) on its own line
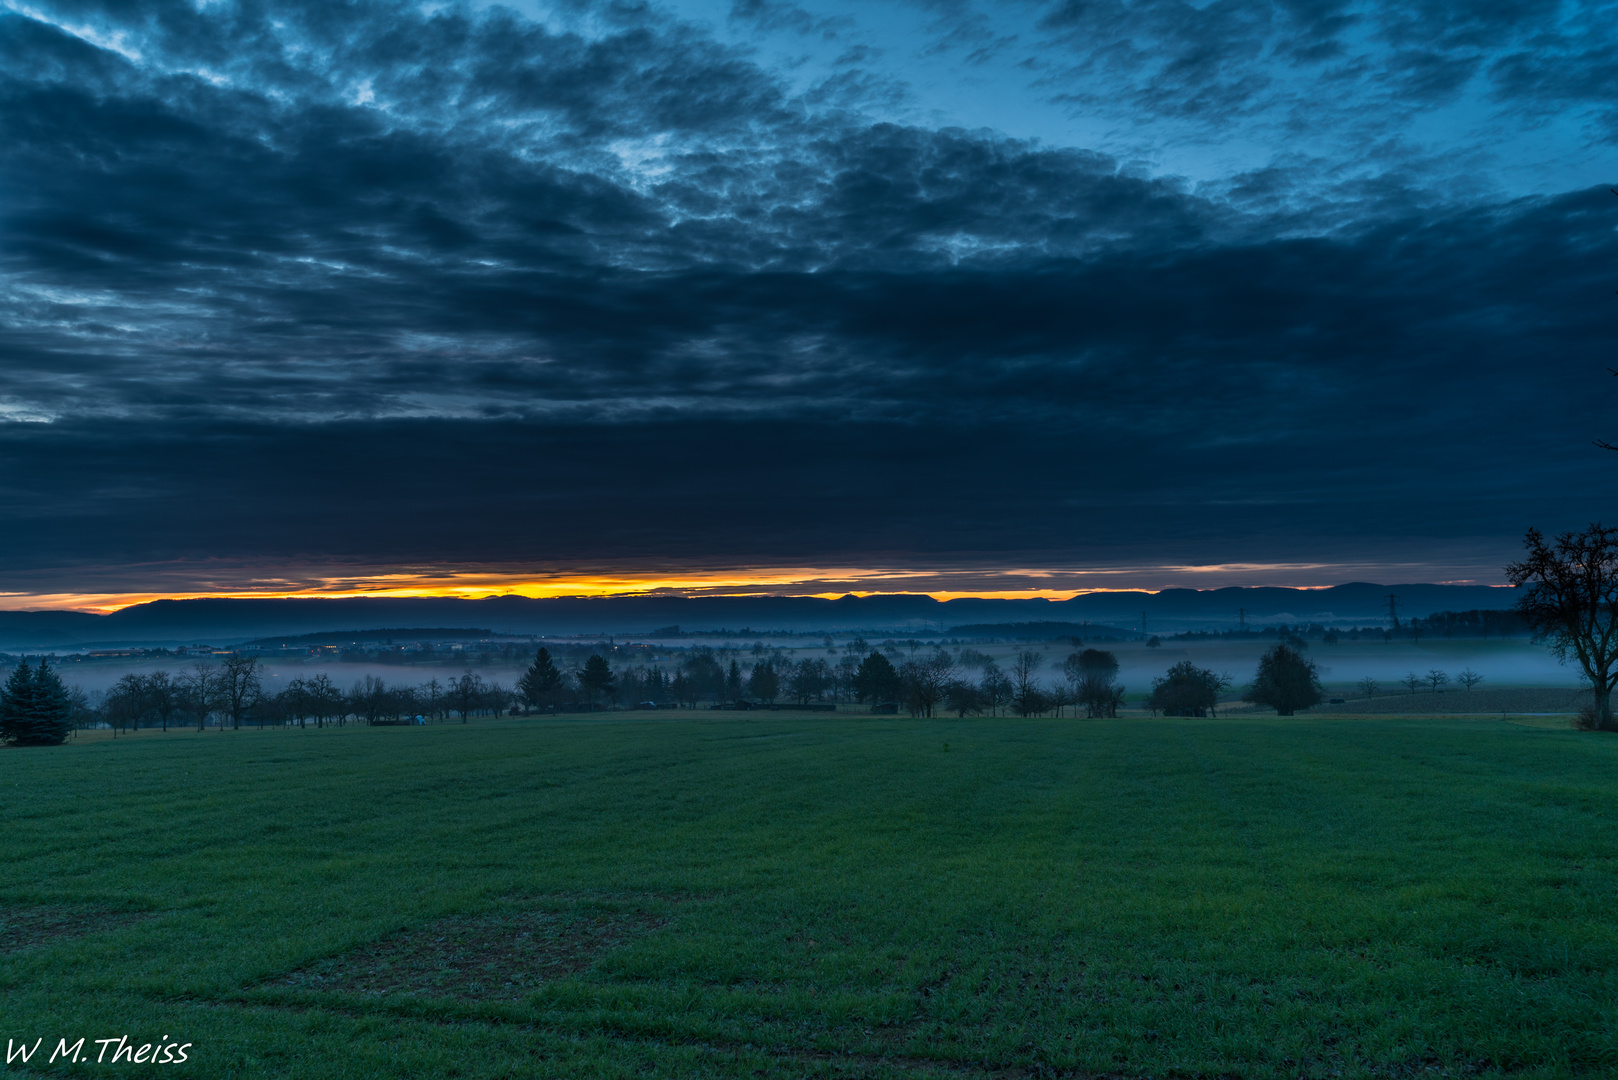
(1508, 663)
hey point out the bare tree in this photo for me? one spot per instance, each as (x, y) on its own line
(1024, 685)
(1412, 680)
(1369, 687)
(1061, 694)
(1569, 599)
(995, 687)
(369, 699)
(1437, 678)
(1468, 678)
(1093, 676)
(972, 660)
(325, 700)
(466, 694)
(238, 686)
(926, 680)
(296, 700)
(196, 692)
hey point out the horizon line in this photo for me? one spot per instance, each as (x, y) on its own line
(109, 603)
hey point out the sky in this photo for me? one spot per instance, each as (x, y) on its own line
(750, 295)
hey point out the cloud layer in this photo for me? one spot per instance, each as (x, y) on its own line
(375, 283)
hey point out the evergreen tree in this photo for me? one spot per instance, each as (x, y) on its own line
(596, 678)
(35, 709)
(764, 683)
(541, 681)
(1287, 681)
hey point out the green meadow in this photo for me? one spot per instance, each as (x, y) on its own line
(705, 894)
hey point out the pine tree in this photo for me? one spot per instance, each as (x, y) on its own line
(764, 683)
(541, 681)
(35, 709)
(596, 678)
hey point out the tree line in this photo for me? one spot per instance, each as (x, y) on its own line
(36, 707)
(925, 683)
(232, 694)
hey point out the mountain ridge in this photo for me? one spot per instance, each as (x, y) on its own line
(227, 620)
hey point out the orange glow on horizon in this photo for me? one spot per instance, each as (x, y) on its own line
(827, 583)
(801, 582)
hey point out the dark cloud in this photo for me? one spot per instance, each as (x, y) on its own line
(361, 282)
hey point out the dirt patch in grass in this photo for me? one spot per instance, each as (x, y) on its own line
(33, 927)
(477, 957)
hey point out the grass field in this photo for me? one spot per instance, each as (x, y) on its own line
(820, 896)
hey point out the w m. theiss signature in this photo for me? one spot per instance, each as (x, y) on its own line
(161, 1052)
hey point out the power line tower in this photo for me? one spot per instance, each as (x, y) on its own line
(1393, 609)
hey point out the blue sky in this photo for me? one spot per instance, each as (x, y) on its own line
(1508, 99)
(293, 293)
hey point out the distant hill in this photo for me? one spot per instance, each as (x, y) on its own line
(1041, 631)
(228, 621)
(340, 637)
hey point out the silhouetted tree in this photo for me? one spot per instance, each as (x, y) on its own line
(238, 686)
(196, 693)
(995, 687)
(848, 668)
(1369, 687)
(295, 699)
(1569, 599)
(1287, 681)
(540, 683)
(808, 680)
(877, 680)
(972, 660)
(1468, 678)
(924, 680)
(137, 697)
(125, 702)
(1437, 678)
(496, 699)
(1060, 696)
(325, 700)
(369, 699)
(596, 678)
(704, 677)
(466, 694)
(763, 684)
(964, 699)
(1093, 675)
(1187, 690)
(1024, 685)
